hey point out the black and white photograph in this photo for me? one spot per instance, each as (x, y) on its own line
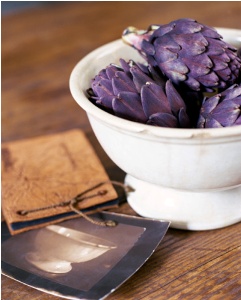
(76, 257)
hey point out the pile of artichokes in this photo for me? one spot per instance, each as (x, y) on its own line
(191, 78)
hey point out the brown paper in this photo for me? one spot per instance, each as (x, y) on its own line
(46, 170)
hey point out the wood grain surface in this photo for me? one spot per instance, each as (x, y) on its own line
(39, 49)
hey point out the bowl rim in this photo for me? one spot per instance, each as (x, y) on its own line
(180, 133)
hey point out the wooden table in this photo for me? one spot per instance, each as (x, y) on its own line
(39, 49)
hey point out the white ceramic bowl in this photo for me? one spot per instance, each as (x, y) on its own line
(167, 166)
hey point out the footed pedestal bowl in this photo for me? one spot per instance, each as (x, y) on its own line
(191, 177)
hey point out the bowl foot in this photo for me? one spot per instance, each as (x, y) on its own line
(185, 209)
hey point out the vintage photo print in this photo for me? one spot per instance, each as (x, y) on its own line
(78, 259)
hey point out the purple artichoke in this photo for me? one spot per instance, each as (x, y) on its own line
(135, 92)
(239, 55)
(239, 52)
(221, 110)
(188, 53)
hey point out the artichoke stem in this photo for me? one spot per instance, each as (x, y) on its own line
(134, 37)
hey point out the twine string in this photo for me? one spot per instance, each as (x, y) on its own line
(80, 197)
(108, 223)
